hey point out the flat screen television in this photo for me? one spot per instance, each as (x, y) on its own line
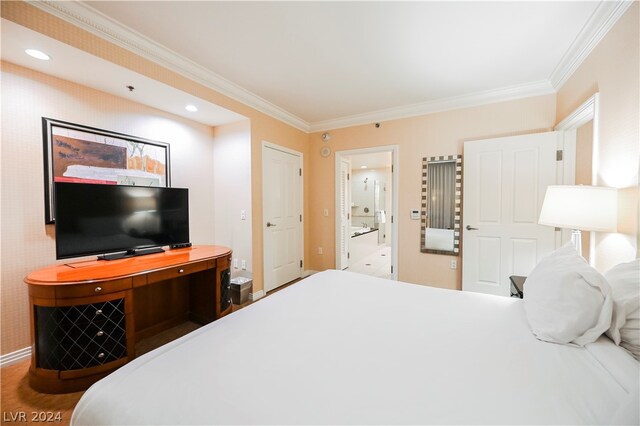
(134, 220)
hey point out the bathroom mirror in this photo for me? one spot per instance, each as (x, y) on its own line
(441, 195)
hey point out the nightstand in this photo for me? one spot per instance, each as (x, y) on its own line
(517, 285)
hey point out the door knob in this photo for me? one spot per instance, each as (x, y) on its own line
(470, 228)
(269, 224)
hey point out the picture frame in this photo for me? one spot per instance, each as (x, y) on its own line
(83, 154)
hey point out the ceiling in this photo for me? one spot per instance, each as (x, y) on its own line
(320, 65)
(64, 64)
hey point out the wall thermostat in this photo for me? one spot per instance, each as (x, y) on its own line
(415, 214)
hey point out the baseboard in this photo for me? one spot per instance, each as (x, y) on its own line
(260, 293)
(14, 357)
(257, 295)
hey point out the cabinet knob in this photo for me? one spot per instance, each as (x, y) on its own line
(180, 271)
(100, 333)
(98, 289)
(99, 312)
(101, 355)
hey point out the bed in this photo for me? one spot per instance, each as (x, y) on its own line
(344, 348)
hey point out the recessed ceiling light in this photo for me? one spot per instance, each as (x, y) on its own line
(363, 167)
(37, 54)
(191, 108)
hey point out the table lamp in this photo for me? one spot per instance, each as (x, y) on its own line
(580, 208)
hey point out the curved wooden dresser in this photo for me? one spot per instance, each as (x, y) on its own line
(87, 316)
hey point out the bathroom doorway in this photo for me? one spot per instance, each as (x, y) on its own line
(366, 198)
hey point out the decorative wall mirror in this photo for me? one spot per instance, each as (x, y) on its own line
(441, 195)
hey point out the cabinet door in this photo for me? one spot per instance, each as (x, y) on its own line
(225, 291)
(80, 336)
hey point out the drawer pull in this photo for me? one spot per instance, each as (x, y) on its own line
(98, 289)
(100, 333)
(180, 271)
(101, 355)
(99, 312)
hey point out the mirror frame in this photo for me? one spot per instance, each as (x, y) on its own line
(458, 205)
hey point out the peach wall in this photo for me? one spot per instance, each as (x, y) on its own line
(27, 243)
(424, 136)
(612, 69)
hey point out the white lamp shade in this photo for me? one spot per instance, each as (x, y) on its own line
(588, 208)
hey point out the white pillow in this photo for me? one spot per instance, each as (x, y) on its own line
(625, 287)
(566, 300)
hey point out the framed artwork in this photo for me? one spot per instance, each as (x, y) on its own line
(75, 153)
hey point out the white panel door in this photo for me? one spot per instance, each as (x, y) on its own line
(282, 209)
(344, 208)
(504, 182)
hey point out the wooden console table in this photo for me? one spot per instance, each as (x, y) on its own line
(87, 316)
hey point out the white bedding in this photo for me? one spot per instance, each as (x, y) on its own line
(344, 348)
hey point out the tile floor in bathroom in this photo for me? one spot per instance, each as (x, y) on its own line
(377, 264)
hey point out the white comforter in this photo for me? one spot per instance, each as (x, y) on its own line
(344, 348)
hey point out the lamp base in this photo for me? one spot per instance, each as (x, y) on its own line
(576, 239)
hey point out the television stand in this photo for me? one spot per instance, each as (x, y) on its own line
(85, 322)
(131, 253)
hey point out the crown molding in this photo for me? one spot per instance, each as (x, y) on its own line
(600, 22)
(95, 22)
(84, 16)
(537, 88)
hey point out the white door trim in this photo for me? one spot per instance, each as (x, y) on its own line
(589, 110)
(344, 204)
(265, 145)
(395, 162)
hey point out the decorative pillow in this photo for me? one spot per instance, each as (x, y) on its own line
(566, 300)
(625, 288)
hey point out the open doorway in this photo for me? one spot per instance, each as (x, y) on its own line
(366, 202)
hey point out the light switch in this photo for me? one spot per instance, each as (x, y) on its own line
(325, 212)
(415, 214)
(243, 215)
